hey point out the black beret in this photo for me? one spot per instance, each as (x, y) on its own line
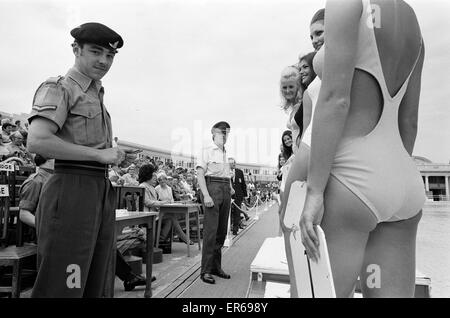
(222, 125)
(97, 33)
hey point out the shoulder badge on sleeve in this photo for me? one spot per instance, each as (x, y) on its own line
(49, 95)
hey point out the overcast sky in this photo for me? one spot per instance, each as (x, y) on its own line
(188, 64)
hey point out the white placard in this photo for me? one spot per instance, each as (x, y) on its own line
(4, 191)
(6, 167)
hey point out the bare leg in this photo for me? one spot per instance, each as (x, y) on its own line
(347, 223)
(391, 249)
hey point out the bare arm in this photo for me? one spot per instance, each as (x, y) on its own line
(27, 217)
(208, 201)
(42, 139)
(409, 107)
(202, 182)
(150, 201)
(341, 28)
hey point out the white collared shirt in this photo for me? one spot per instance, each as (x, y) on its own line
(214, 162)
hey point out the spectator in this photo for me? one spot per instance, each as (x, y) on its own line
(189, 192)
(115, 174)
(177, 190)
(281, 162)
(130, 178)
(17, 149)
(7, 128)
(165, 194)
(31, 189)
(160, 166)
(147, 180)
(163, 190)
(4, 152)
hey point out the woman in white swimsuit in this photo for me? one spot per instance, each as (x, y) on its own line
(363, 186)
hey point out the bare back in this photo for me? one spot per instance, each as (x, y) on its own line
(398, 40)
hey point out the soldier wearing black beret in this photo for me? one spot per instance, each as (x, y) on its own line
(214, 179)
(76, 213)
(98, 34)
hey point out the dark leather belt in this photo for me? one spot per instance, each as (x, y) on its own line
(217, 179)
(82, 167)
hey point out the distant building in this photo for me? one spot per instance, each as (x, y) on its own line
(253, 172)
(166, 156)
(435, 178)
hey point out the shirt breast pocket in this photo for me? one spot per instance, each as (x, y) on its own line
(87, 124)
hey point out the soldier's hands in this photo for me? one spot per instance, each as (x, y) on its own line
(112, 156)
(209, 203)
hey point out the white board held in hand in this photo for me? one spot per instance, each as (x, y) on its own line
(308, 279)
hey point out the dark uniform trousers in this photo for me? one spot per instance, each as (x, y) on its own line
(215, 224)
(75, 229)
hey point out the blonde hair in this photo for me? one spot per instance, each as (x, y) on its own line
(290, 72)
(159, 176)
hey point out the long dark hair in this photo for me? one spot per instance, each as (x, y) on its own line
(287, 151)
(308, 58)
(298, 117)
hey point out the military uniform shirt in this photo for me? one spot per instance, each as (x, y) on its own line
(31, 189)
(214, 162)
(75, 104)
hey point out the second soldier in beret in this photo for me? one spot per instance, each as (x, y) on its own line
(214, 179)
(75, 215)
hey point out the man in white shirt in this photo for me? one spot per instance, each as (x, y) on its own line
(213, 171)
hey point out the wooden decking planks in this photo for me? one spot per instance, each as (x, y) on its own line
(236, 261)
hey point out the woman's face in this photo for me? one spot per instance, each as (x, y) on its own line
(162, 181)
(317, 34)
(287, 140)
(306, 72)
(153, 180)
(289, 88)
(282, 161)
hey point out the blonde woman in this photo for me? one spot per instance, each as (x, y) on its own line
(165, 194)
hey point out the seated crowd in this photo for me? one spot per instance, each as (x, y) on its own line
(13, 142)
